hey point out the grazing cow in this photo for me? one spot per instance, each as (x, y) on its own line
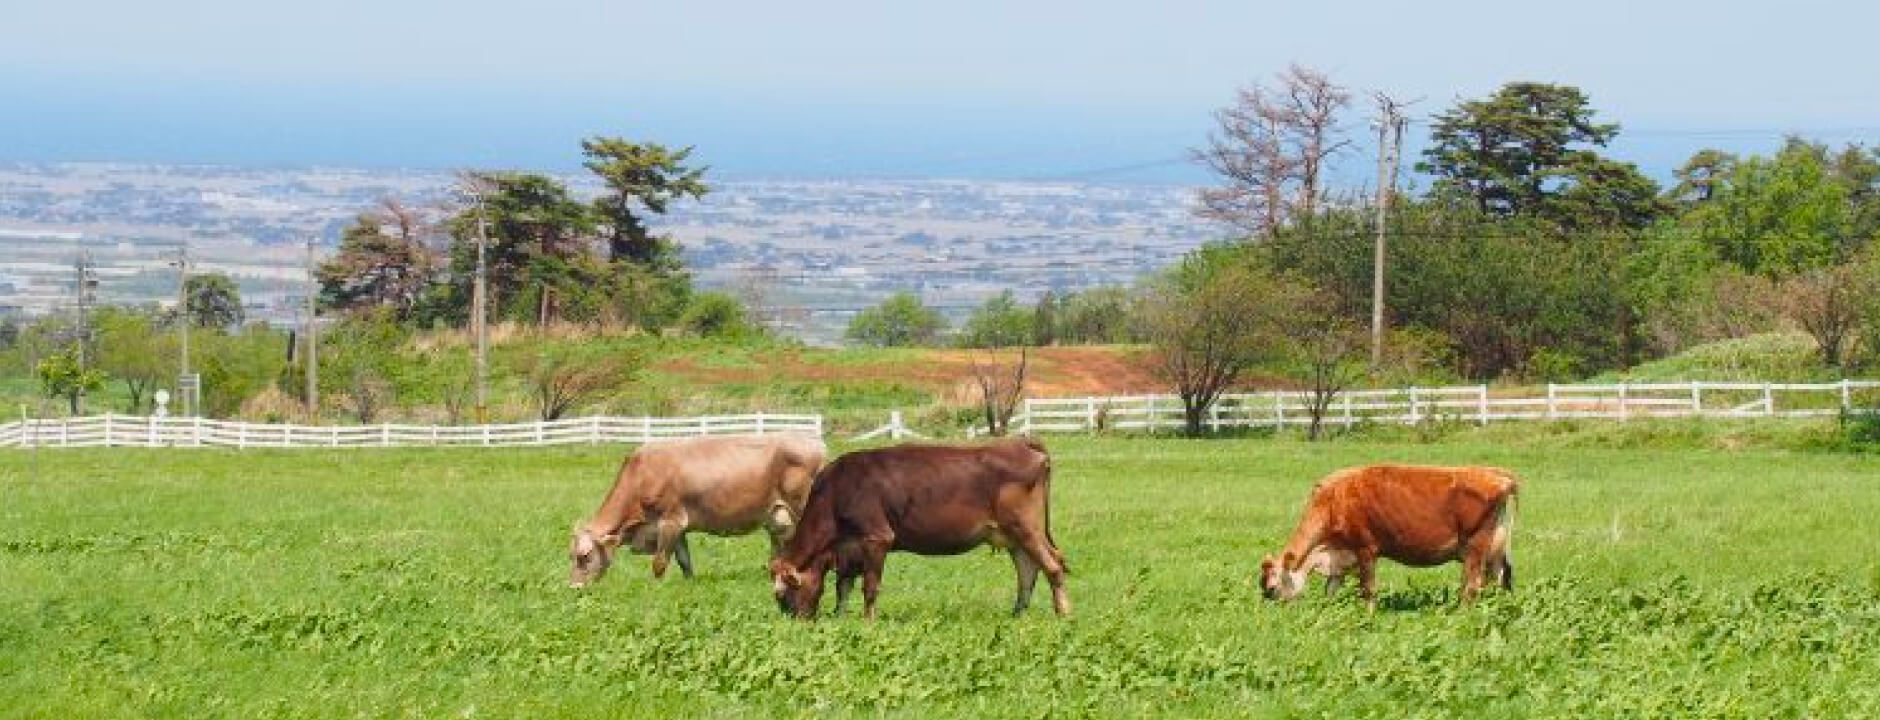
(924, 499)
(723, 485)
(1418, 516)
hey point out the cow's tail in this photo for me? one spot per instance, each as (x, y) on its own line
(1049, 540)
(1504, 526)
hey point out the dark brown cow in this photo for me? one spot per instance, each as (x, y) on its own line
(1418, 516)
(925, 499)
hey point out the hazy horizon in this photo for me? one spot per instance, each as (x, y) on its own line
(1096, 92)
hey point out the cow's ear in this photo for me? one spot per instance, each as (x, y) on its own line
(611, 540)
(1289, 561)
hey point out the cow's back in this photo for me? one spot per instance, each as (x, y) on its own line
(1415, 514)
(726, 484)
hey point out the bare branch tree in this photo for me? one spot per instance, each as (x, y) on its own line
(560, 382)
(1830, 304)
(1000, 388)
(1270, 144)
(1327, 352)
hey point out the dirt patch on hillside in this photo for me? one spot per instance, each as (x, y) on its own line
(1056, 371)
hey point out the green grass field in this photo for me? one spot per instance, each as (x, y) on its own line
(431, 583)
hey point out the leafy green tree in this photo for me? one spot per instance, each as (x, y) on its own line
(1699, 176)
(1774, 216)
(641, 178)
(376, 268)
(1209, 319)
(1522, 152)
(1000, 322)
(359, 362)
(538, 251)
(899, 321)
(1096, 315)
(1044, 319)
(716, 314)
(132, 348)
(61, 376)
(238, 365)
(214, 300)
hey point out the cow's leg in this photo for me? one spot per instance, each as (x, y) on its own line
(1507, 573)
(1367, 577)
(682, 551)
(874, 555)
(1027, 579)
(1333, 581)
(670, 533)
(1047, 558)
(845, 581)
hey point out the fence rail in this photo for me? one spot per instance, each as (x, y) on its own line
(134, 431)
(1472, 403)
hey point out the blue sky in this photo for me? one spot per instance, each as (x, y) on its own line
(963, 88)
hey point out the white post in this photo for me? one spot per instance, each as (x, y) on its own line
(241, 436)
(646, 428)
(385, 435)
(1090, 414)
(197, 426)
(1348, 419)
(1697, 398)
(332, 435)
(1769, 399)
(1553, 403)
(1846, 400)
(486, 434)
(153, 431)
(760, 423)
(539, 428)
(1414, 416)
(107, 430)
(594, 429)
(1622, 414)
(1484, 404)
(433, 436)
(1279, 409)
(1150, 417)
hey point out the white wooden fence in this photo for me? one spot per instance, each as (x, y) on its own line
(1475, 403)
(134, 431)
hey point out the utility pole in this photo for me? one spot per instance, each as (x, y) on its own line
(87, 292)
(312, 333)
(1389, 150)
(479, 302)
(182, 314)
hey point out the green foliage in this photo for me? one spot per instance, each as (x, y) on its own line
(1000, 322)
(716, 314)
(235, 367)
(1515, 154)
(61, 376)
(374, 268)
(899, 321)
(1765, 357)
(1776, 216)
(214, 301)
(640, 177)
(134, 349)
(431, 583)
(360, 366)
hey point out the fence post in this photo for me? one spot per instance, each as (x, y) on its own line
(1622, 414)
(1348, 419)
(385, 434)
(1090, 414)
(1769, 399)
(241, 436)
(1279, 409)
(1697, 398)
(760, 423)
(1414, 416)
(1553, 403)
(486, 434)
(1483, 406)
(153, 432)
(1149, 414)
(1846, 400)
(107, 430)
(594, 429)
(198, 430)
(433, 436)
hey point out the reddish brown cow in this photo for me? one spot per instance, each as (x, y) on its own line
(1418, 516)
(925, 499)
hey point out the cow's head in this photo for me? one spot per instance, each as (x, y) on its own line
(590, 555)
(1278, 583)
(798, 592)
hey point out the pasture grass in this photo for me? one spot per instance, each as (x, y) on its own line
(431, 583)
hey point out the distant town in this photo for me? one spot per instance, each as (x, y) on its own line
(806, 253)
